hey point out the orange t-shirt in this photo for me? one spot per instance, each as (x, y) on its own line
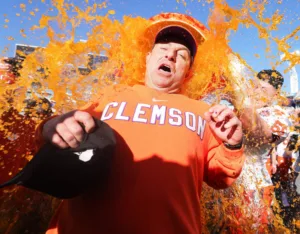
(164, 152)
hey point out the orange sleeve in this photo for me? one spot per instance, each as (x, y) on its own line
(223, 165)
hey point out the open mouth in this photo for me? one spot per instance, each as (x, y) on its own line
(165, 68)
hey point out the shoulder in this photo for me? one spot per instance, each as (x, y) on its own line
(117, 88)
(111, 90)
(196, 106)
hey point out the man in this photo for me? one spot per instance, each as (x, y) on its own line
(255, 117)
(266, 125)
(269, 125)
(167, 144)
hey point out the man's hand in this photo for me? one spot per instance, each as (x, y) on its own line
(68, 130)
(224, 123)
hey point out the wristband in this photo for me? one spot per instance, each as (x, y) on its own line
(234, 147)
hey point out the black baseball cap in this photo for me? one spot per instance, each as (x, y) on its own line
(67, 173)
(179, 35)
(273, 77)
(167, 25)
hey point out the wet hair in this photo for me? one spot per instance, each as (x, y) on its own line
(273, 77)
(38, 108)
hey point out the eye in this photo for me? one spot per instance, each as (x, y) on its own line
(163, 48)
(182, 56)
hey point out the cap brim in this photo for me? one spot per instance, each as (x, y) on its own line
(63, 173)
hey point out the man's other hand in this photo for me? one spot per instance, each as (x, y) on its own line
(225, 124)
(68, 130)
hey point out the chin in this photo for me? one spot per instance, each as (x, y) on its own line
(162, 82)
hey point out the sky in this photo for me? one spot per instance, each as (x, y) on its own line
(16, 20)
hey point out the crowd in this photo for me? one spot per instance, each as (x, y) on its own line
(168, 145)
(266, 187)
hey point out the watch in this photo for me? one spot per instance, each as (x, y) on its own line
(234, 147)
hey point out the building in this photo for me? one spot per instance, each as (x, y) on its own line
(21, 51)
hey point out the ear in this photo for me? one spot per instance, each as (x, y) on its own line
(278, 92)
(188, 75)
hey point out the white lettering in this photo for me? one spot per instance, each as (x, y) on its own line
(175, 117)
(189, 116)
(119, 115)
(104, 114)
(138, 112)
(158, 113)
(201, 127)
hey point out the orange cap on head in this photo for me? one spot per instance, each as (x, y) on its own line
(175, 24)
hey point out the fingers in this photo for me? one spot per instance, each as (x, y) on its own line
(214, 112)
(63, 131)
(75, 129)
(234, 121)
(224, 123)
(58, 141)
(86, 119)
(223, 116)
(68, 130)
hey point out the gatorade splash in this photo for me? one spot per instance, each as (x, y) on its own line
(65, 70)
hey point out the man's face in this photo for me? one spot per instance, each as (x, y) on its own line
(167, 67)
(263, 93)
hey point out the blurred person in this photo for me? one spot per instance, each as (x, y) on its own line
(284, 170)
(267, 125)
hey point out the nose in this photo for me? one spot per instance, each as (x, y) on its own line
(171, 55)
